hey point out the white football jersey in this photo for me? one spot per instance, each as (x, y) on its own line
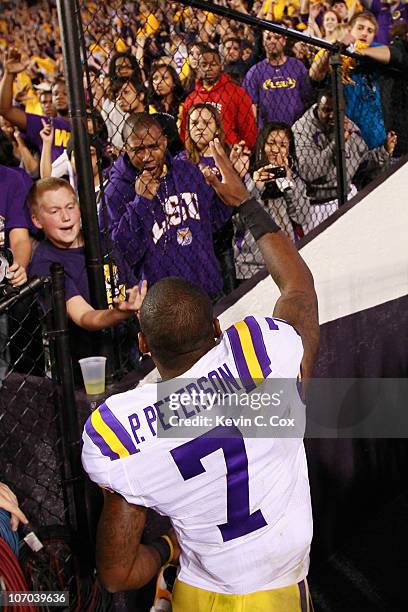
(240, 505)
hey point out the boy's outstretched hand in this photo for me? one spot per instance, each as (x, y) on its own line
(132, 305)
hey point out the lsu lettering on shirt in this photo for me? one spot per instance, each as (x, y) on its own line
(240, 506)
(281, 93)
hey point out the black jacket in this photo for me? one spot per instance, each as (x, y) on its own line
(394, 94)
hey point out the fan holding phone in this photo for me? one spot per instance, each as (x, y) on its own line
(276, 182)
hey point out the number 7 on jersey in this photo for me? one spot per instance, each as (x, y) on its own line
(188, 460)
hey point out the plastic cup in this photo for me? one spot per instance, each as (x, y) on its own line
(93, 373)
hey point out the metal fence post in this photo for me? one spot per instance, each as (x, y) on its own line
(70, 432)
(336, 63)
(93, 251)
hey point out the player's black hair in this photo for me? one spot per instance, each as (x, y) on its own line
(246, 44)
(195, 43)
(44, 92)
(176, 318)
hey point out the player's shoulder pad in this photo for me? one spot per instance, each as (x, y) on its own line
(105, 434)
(264, 346)
(265, 324)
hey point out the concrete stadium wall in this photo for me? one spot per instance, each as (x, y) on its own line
(358, 262)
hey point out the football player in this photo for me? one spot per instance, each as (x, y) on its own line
(240, 506)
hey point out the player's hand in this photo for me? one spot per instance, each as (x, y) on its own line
(47, 133)
(16, 275)
(8, 501)
(14, 61)
(230, 189)
(146, 185)
(239, 157)
(391, 142)
(135, 299)
(176, 546)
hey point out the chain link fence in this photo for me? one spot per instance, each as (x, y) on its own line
(162, 81)
(39, 449)
(30, 428)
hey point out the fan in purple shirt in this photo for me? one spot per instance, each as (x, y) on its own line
(387, 13)
(161, 212)
(55, 210)
(31, 125)
(14, 224)
(279, 85)
(15, 220)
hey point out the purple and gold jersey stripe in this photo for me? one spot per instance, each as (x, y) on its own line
(239, 358)
(271, 322)
(109, 435)
(259, 345)
(99, 441)
(116, 426)
(299, 385)
(250, 356)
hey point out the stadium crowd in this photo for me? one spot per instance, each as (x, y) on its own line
(183, 109)
(163, 82)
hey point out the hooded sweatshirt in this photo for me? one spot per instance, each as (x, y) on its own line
(170, 235)
(316, 150)
(234, 105)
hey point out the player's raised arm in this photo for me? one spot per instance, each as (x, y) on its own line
(298, 302)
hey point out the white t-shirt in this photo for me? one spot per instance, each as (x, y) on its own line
(62, 167)
(114, 119)
(240, 506)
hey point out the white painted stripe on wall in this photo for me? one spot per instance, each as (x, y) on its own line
(360, 261)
